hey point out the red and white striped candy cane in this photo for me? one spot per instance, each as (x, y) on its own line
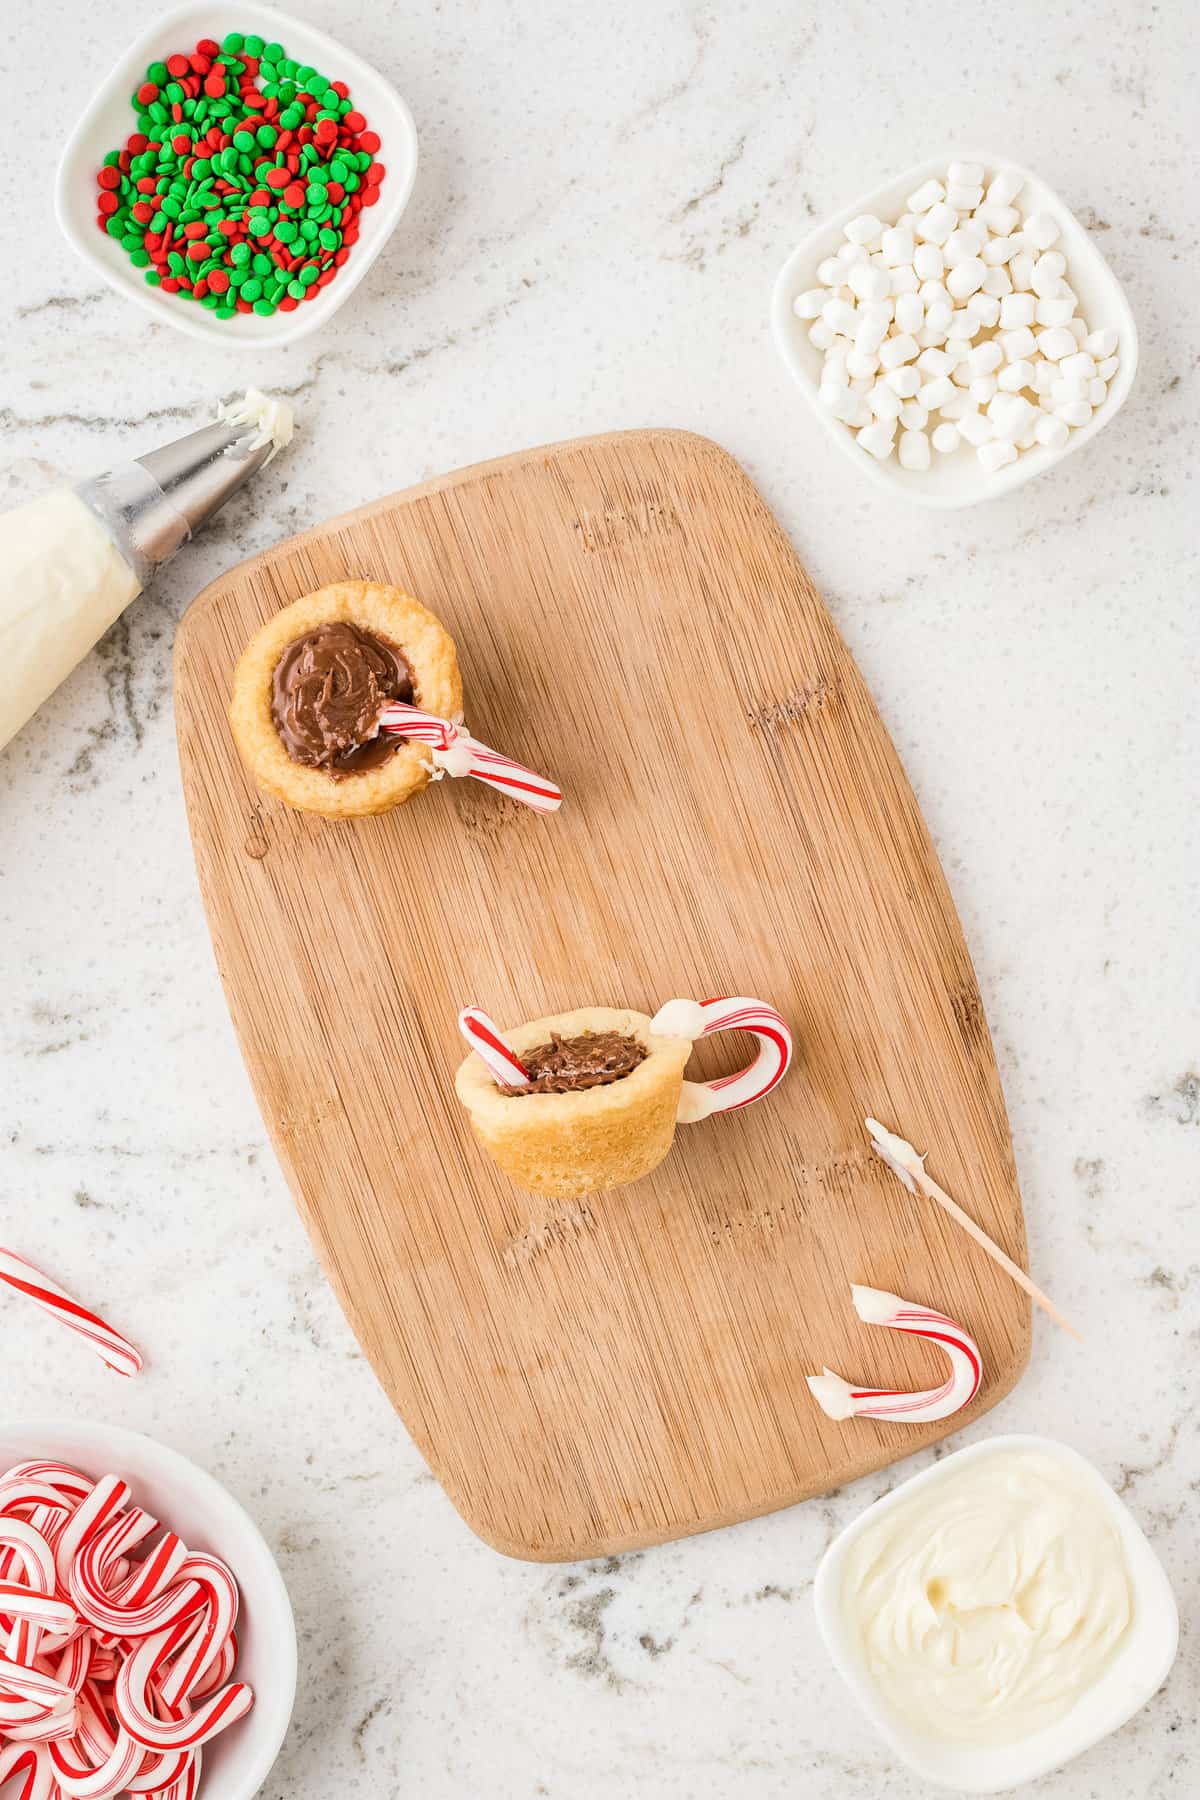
(483, 1035)
(134, 1700)
(109, 1344)
(842, 1401)
(83, 1780)
(109, 1497)
(455, 752)
(33, 1763)
(695, 1019)
(194, 1661)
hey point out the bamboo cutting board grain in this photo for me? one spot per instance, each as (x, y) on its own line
(630, 1367)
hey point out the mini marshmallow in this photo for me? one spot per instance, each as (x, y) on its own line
(851, 253)
(955, 406)
(1045, 374)
(1078, 330)
(884, 401)
(937, 324)
(904, 279)
(964, 198)
(829, 272)
(896, 350)
(904, 381)
(995, 455)
(1068, 387)
(861, 363)
(1020, 268)
(1108, 368)
(1014, 376)
(1059, 309)
(934, 293)
(998, 282)
(937, 224)
(808, 304)
(865, 229)
(1000, 220)
(946, 437)
(1052, 432)
(1017, 309)
(975, 428)
(960, 245)
(1074, 413)
(982, 389)
(985, 358)
(869, 282)
(1041, 230)
(927, 195)
(877, 439)
(985, 308)
(1100, 343)
(1097, 392)
(914, 450)
(935, 393)
(897, 245)
(965, 277)
(840, 314)
(961, 174)
(1010, 415)
(998, 250)
(935, 362)
(913, 415)
(822, 335)
(1055, 343)
(910, 313)
(1079, 364)
(1004, 188)
(870, 334)
(1046, 275)
(963, 325)
(960, 375)
(1018, 345)
(928, 262)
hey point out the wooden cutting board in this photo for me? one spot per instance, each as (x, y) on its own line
(628, 1368)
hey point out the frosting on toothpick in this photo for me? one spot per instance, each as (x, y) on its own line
(896, 1152)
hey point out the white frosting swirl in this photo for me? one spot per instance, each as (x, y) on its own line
(986, 1605)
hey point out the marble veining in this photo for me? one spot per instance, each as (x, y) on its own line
(602, 203)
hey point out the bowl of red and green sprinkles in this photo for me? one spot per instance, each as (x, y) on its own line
(237, 174)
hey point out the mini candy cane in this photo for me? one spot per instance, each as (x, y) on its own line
(110, 1346)
(31, 1761)
(694, 1019)
(453, 751)
(483, 1035)
(841, 1401)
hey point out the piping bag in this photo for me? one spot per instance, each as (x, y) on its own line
(73, 559)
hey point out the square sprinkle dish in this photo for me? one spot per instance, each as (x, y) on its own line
(955, 326)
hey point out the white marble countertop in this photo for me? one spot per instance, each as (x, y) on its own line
(603, 201)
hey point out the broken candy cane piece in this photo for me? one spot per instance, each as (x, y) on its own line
(842, 1401)
(703, 1018)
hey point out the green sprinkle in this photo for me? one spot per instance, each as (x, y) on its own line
(232, 43)
(252, 44)
(252, 289)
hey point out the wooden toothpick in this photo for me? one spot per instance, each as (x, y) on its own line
(905, 1163)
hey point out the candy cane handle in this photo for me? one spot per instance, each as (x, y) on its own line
(689, 1018)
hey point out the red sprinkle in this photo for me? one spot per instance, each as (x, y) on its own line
(277, 178)
(354, 121)
(294, 195)
(109, 178)
(148, 92)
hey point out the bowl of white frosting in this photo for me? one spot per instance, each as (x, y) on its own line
(997, 1614)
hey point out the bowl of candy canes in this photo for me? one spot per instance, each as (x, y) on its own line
(150, 1645)
(956, 331)
(237, 174)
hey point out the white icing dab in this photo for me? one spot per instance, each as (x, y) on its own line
(273, 418)
(679, 1019)
(896, 1152)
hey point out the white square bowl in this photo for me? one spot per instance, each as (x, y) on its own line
(108, 119)
(1137, 1671)
(238, 1761)
(957, 479)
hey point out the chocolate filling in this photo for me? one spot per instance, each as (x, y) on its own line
(326, 695)
(565, 1065)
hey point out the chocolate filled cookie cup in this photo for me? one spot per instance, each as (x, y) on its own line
(589, 1100)
(310, 686)
(594, 1116)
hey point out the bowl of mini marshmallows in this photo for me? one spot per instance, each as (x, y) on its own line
(956, 331)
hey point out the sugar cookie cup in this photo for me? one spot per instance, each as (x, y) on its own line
(565, 1144)
(386, 613)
